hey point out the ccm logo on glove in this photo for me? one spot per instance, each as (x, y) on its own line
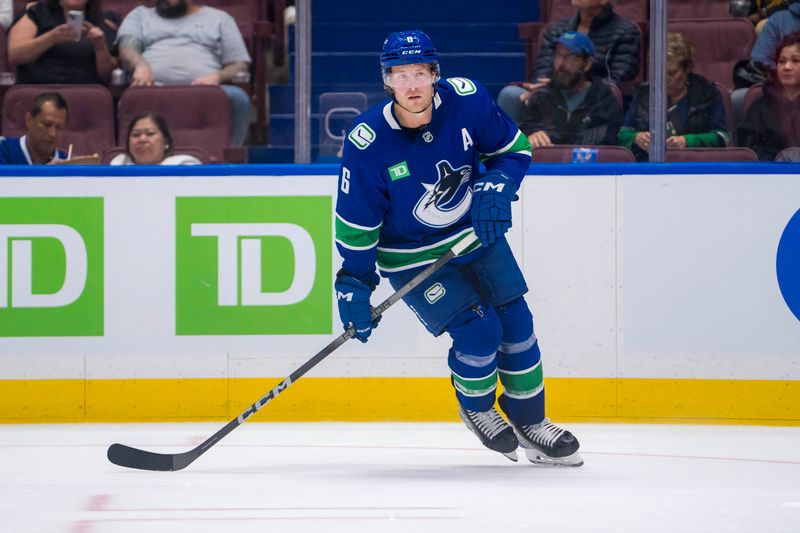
(488, 187)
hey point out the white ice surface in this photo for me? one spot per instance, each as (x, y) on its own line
(399, 478)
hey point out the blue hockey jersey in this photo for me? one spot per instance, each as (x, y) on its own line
(14, 151)
(404, 196)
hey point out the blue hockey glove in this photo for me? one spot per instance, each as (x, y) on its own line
(492, 195)
(352, 295)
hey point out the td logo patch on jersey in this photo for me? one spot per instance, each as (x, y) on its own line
(362, 136)
(463, 86)
(448, 199)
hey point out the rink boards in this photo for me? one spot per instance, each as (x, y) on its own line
(660, 292)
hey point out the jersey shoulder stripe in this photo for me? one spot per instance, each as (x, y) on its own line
(519, 145)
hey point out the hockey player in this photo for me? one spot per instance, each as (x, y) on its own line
(410, 187)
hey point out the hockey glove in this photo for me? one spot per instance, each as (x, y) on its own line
(492, 195)
(352, 295)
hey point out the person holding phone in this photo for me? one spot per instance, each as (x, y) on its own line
(63, 41)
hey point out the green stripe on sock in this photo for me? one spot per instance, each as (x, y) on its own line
(475, 387)
(522, 384)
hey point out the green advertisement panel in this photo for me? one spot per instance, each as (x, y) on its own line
(51, 267)
(253, 265)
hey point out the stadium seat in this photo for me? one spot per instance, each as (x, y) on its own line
(565, 153)
(635, 10)
(753, 93)
(261, 24)
(698, 9)
(195, 151)
(123, 7)
(718, 45)
(337, 111)
(725, 95)
(3, 51)
(685, 155)
(197, 115)
(90, 123)
(789, 155)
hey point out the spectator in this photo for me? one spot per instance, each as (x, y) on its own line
(758, 11)
(44, 124)
(778, 26)
(572, 108)
(150, 143)
(617, 43)
(6, 13)
(772, 122)
(180, 42)
(695, 116)
(46, 50)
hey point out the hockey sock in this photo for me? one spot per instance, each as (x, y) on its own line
(476, 334)
(519, 365)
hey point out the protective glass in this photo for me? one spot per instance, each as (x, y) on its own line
(409, 80)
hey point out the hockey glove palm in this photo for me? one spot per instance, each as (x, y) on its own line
(492, 195)
(352, 295)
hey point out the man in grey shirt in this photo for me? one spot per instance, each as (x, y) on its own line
(180, 43)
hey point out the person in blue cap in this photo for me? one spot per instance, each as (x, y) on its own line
(617, 42)
(573, 108)
(420, 172)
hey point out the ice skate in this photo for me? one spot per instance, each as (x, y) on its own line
(492, 429)
(547, 444)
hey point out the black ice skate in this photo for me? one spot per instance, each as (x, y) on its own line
(547, 444)
(492, 429)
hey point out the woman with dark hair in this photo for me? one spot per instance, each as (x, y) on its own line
(150, 143)
(46, 49)
(772, 122)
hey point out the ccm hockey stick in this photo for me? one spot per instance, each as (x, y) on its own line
(129, 457)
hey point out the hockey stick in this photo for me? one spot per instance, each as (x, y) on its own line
(129, 457)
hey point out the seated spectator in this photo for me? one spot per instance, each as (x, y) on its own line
(757, 11)
(179, 43)
(778, 26)
(572, 108)
(695, 116)
(44, 124)
(150, 143)
(617, 43)
(46, 50)
(772, 122)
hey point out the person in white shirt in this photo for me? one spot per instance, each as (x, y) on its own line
(150, 143)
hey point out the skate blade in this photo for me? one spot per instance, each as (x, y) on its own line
(540, 459)
(511, 455)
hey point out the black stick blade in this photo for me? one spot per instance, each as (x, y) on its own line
(122, 455)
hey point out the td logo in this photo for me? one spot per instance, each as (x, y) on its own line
(252, 266)
(51, 267)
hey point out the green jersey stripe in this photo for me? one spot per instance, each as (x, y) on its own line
(396, 259)
(355, 237)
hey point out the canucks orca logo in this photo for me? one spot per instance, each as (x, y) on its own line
(448, 199)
